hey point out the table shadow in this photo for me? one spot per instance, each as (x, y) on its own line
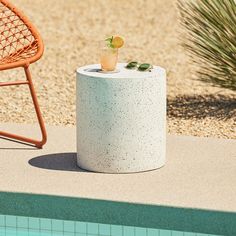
(57, 161)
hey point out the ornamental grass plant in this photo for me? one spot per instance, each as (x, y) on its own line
(210, 39)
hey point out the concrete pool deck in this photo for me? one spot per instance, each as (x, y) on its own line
(194, 192)
(199, 173)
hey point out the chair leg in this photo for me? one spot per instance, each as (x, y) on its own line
(37, 143)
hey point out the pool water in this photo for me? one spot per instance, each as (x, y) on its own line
(30, 226)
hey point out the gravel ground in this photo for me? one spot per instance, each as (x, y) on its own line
(71, 30)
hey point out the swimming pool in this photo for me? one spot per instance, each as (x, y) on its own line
(24, 214)
(31, 226)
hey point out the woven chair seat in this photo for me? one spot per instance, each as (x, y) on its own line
(19, 41)
(21, 55)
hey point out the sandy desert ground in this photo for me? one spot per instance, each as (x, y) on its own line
(71, 30)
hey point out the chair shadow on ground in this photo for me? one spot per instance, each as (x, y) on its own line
(25, 147)
(57, 161)
(199, 107)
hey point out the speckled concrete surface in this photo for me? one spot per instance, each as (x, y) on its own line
(121, 119)
(71, 29)
(200, 172)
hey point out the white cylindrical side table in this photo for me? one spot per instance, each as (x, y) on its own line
(121, 119)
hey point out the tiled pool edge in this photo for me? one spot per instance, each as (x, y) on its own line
(121, 213)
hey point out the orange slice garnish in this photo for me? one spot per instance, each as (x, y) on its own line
(117, 42)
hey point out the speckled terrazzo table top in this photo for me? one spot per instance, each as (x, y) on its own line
(122, 73)
(200, 172)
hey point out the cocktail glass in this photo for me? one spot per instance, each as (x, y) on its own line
(108, 58)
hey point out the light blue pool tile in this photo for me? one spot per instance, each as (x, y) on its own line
(69, 234)
(129, 231)
(164, 232)
(80, 234)
(34, 223)
(57, 225)
(177, 233)
(34, 232)
(140, 231)
(22, 232)
(2, 220)
(92, 228)
(69, 226)
(105, 229)
(199, 234)
(116, 230)
(81, 227)
(22, 222)
(11, 232)
(44, 232)
(11, 221)
(189, 234)
(2, 231)
(45, 224)
(153, 232)
(57, 233)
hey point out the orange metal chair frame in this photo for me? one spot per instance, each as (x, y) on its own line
(20, 45)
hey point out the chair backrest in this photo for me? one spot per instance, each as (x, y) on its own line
(17, 34)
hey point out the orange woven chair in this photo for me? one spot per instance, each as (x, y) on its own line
(20, 45)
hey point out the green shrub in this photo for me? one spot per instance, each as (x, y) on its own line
(211, 39)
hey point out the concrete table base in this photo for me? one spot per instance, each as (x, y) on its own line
(121, 119)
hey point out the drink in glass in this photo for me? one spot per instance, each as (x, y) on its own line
(109, 58)
(109, 53)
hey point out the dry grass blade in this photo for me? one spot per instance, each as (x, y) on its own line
(211, 39)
